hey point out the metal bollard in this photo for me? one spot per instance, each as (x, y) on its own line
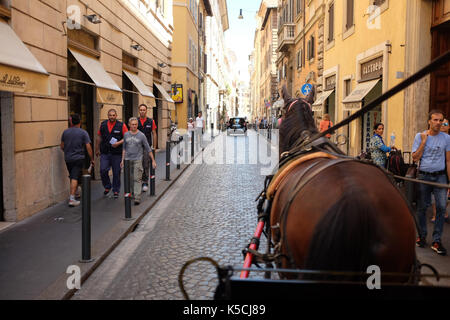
(179, 153)
(152, 176)
(127, 188)
(212, 131)
(192, 145)
(186, 148)
(168, 161)
(86, 220)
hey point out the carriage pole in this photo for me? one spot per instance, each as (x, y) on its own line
(254, 246)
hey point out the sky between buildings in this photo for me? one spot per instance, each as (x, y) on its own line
(239, 37)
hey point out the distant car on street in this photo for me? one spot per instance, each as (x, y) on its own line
(237, 125)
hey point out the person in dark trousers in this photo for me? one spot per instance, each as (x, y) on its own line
(109, 147)
(73, 142)
(432, 149)
(135, 145)
(148, 127)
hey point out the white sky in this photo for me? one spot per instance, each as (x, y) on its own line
(239, 37)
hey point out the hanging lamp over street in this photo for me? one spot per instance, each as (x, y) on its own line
(240, 15)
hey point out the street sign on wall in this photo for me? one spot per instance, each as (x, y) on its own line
(306, 88)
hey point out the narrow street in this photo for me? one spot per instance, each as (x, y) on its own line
(210, 211)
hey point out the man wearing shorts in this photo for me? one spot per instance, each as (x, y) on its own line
(73, 142)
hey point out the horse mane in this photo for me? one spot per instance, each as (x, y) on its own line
(347, 238)
(298, 121)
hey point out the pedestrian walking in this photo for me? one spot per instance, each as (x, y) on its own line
(135, 145)
(74, 140)
(325, 124)
(431, 149)
(444, 128)
(200, 127)
(148, 127)
(109, 148)
(377, 147)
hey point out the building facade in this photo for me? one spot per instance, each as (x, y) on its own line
(188, 57)
(84, 57)
(215, 69)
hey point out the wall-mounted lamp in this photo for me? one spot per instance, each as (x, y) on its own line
(162, 65)
(137, 47)
(93, 18)
(240, 15)
(389, 46)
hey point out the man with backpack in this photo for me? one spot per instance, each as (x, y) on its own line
(148, 127)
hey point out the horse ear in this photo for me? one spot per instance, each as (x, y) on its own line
(311, 95)
(285, 94)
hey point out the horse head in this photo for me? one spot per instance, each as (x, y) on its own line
(298, 123)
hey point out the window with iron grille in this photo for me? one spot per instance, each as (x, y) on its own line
(299, 6)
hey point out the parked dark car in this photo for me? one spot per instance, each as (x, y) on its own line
(237, 125)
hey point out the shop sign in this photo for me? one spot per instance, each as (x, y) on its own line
(372, 69)
(330, 83)
(177, 93)
(12, 81)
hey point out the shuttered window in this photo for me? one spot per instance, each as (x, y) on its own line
(350, 5)
(331, 23)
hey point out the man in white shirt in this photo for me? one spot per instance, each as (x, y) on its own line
(200, 127)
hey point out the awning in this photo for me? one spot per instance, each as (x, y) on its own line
(166, 96)
(108, 92)
(147, 96)
(318, 104)
(354, 99)
(20, 71)
(278, 104)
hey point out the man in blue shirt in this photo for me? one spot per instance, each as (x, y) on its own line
(73, 142)
(432, 149)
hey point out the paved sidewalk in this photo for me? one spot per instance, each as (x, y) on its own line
(35, 253)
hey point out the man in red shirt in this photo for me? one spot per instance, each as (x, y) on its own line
(109, 147)
(148, 127)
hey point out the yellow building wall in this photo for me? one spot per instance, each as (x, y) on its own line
(366, 36)
(182, 72)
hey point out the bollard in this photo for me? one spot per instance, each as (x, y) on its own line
(168, 161)
(212, 130)
(192, 145)
(86, 220)
(127, 188)
(152, 176)
(179, 153)
(186, 148)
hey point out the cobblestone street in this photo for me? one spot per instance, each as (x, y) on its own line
(210, 211)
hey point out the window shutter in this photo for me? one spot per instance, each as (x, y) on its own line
(349, 23)
(301, 58)
(312, 47)
(331, 23)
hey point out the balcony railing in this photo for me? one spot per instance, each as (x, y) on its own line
(286, 36)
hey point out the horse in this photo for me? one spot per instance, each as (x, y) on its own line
(333, 212)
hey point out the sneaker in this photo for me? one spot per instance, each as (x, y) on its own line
(144, 187)
(432, 219)
(106, 192)
(73, 203)
(437, 246)
(420, 242)
(116, 195)
(78, 193)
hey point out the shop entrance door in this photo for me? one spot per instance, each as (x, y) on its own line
(81, 100)
(440, 79)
